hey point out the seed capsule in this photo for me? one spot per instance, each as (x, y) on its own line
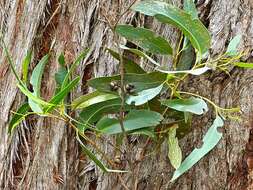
(114, 85)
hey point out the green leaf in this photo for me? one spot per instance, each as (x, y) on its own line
(35, 106)
(129, 66)
(25, 65)
(61, 60)
(166, 13)
(18, 117)
(244, 65)
(198, 71)
(175, 153)
(210, 140)
(140, 53)
(192, 105)
(145, 39)
(144, 96)
(30, 95)
(139, 81)
(92, 98)
(96, 160)
(135, 119)
(190, 8)
(37, 75)
(232, 46)
(60, 76)
(93, 113)
(73, 67)
(187, 57)
(62, 94)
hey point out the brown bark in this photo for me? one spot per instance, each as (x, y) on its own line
(43, 153)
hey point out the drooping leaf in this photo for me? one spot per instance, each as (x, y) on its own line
(135, 119)
(190, 8)
(30, 95)
(93, 113)
(210, 140)
(139, 81)
(25, 65)
(198, 71)
(96, 160)
(192, 105)
(232, 46)
(129, 65)
(244, 65)
(36, 83)
(192, 28)
(144, 96)
(140, 53)
(37, 75)
(175, 153)
(145, 39)
(59, 77)
(18, 117)
(73, 67)
(54, 101)
(92, 98)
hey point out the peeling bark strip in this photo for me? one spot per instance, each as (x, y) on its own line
(43, 153)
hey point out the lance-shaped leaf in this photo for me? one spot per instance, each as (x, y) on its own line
(36, 83)
(144, 96)
(95, 112)
(73, 67)
(198, 71)
(54, 101)
(25, 65)
(192, 28)
(192, 105)
(139, 81)
(175, 153)
(94, 158)
(244, 65)
(37, 75)
(145, 39)
(210, 140)
(18, 117)
(135, 119)
(232, 46)
(92, 98)
(140, 53)
(129, 65)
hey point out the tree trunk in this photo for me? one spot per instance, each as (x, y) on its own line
(43, 153)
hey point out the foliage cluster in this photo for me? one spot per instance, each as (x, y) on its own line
(130, 103)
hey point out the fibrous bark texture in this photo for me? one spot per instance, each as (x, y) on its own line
(43, 153)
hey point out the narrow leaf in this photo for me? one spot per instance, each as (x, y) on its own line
(175, 153)
(37, 75)
(190, 8)
(244, 65)
(135, 119)
(144, 96)
(62, 94)
(73, 67)
(18, 117)
(145, 39)
(210, 140)
(25, 65)
(192, 105)
(198, 71)
(192, 28)
(92, 98)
